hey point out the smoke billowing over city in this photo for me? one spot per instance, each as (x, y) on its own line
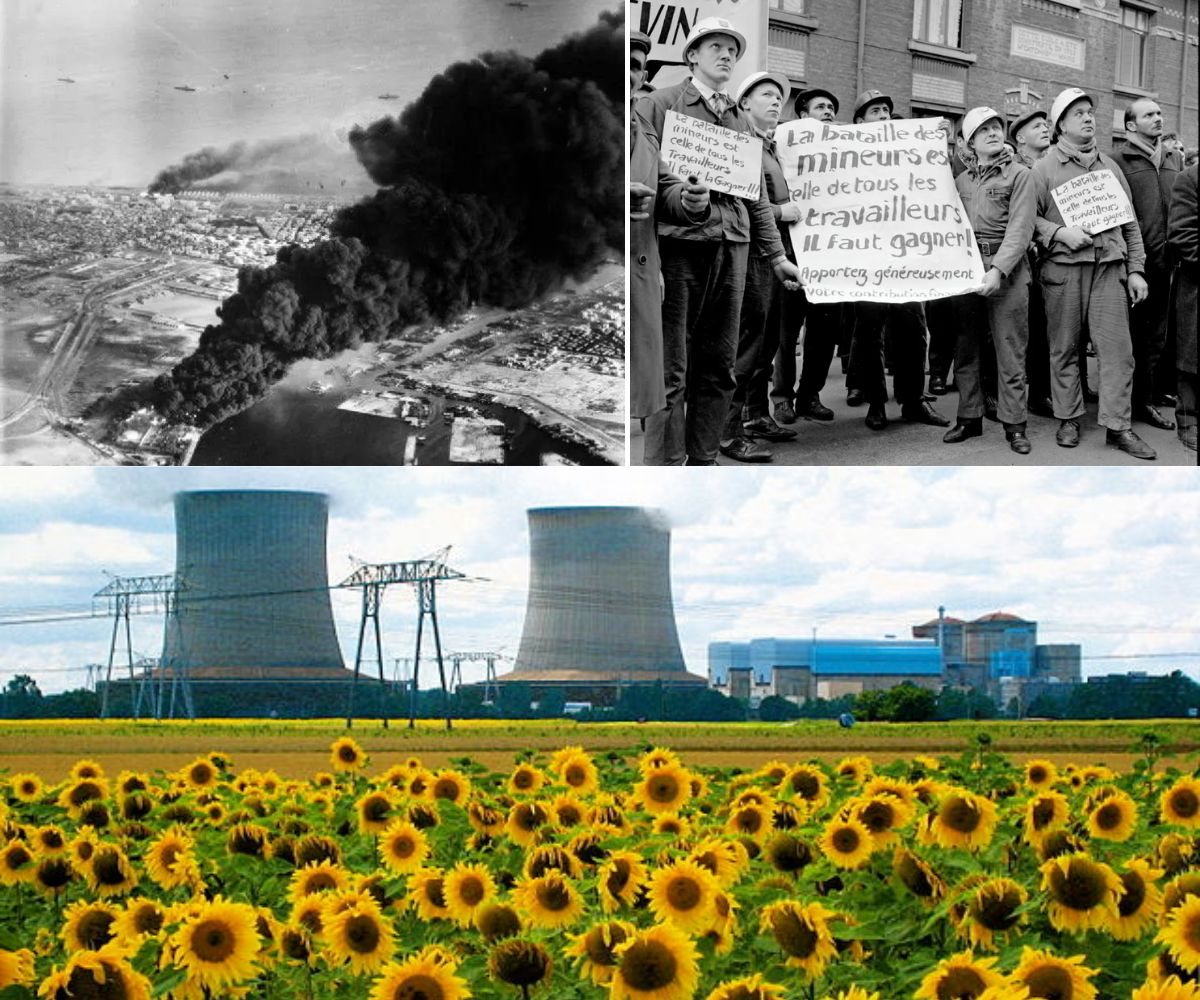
(500, 181)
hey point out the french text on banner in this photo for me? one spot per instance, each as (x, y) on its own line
(880, 218)
(723, 159)
(1094, 202)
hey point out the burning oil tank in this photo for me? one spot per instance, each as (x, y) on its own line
(256, 601)
(599, 612)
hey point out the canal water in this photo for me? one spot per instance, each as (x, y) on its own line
(294, 426)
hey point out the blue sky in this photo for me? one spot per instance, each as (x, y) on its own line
(1105, 557)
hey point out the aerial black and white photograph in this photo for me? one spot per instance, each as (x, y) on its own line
(292, 233)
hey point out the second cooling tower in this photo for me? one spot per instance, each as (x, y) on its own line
(599, 608)
(256, 603)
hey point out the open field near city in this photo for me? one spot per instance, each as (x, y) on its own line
(295, 748)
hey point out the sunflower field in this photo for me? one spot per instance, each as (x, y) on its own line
(626, 874)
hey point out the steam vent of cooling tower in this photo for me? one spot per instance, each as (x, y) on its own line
(256, 603)
(599, 608)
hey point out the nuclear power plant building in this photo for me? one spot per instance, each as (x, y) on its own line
(599, 615)
(255, 600)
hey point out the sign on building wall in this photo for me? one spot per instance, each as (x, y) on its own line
(880, 217)
(1047, 46)
(723, 159)
(668, 25)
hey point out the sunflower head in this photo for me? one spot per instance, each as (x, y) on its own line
(104, 973)
(990, 910)
(595, 950)
(420, 977)
(655, 964)
(1083, 892)
(466, 888)
(1113, 817)
(496, 921)
(88, 925)
(453, 786)
(788, 853)
(1180, 804)
(26, 787)
(802, 933)
(917, 875)
(218, 944)
(847, 842)
(519, 963)
(1181, 933)
(959, 977)
(346, 755)
(1044, 974)
(359, 936)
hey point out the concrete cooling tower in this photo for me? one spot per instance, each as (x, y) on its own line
(599, 611)
(256, 603)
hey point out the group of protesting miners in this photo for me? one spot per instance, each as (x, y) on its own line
(717, 305)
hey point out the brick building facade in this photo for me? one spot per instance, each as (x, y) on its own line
(941, 57)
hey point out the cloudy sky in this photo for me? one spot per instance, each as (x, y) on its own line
(1106, 557)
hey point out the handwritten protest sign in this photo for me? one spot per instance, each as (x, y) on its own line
(1094, 202)
(880, 217)
(723, 159)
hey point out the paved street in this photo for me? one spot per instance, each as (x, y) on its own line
(847, 440)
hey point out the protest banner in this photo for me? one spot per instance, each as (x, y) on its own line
(723, 159)
(669, 23)
(1094, 202)
(880, 217)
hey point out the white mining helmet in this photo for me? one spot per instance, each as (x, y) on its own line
(975, 119)
(1064, 100)
(716, 26)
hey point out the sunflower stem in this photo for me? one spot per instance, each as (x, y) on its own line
(308, 992)
(525, 991)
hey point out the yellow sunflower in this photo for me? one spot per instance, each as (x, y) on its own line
(883, 815)
(567, 811)
(86, 769)
(1140, 901)
(52, 875)
(803, 933)
(1045, 812)
(525, 780)
(578, 772)
(847, 843)
(166, 858)
(523, 964)
(426, 892)
(88, 925)
(549, 901)
(1083, 893)
(419, 978)
(1174, 851)
(655, 964)
(788, 853)
(663, 789)
(1181, 933)
(1180, 888)
(620, 878)
(218, 945)
(858, 993)
(496, 921)
(48, 841)
(750, 988)
(551, 857)
(1047, 975)
(319, 876)
(359, 936)
(17, 863)
(466, 888)
(454, 786)
(964, 819)
(989, 910)
(346, 755)
(594, 951)
(200, 773)
(959, 977)
(1040, 774)
(1171, 988)
(109, 872)
(374, 811)
(1180, 804)
(854, 769)
(104, 973)
(402, 847)
(525, 822)
(26, 787)
(1113, 818)
(682, 894)
(750, 820)
(140, 919)
(77, 794)
(917, 875)
(16, 968)
(727, 860)
(672, 825)
(658, 758)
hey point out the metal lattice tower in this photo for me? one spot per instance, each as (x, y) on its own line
(373, 579)
(121, 597)
(491, 689)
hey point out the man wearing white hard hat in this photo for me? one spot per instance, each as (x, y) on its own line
(1084, 279)
(704, 265)
(997, 193)
(761, 97)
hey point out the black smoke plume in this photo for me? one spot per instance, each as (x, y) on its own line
(501, 180)
(294, 165)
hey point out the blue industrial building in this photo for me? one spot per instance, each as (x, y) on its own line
(800, 669)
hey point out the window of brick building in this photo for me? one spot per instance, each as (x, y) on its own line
(938, 22)
(787, 51)
(1131, 50)
(790, 6)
